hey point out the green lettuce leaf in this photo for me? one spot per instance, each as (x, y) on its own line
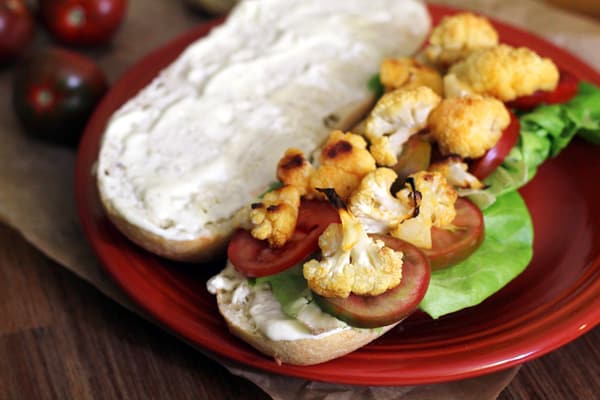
(545, 131)
(505, 252)
(289, 288)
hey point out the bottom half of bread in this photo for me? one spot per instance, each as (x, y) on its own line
(296, 352)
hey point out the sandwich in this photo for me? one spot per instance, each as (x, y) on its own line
(415, 208)
(344, 200)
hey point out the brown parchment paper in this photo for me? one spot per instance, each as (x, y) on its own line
(36, 179)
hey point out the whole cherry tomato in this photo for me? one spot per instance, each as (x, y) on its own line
(55, 92)
(16, 28)
(83, 22)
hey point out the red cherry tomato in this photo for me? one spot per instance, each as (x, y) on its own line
(254, 258)
(391, 306)
(83, 22)
(482, 167)
(450, 246)
(55, 92)
(566, 89)
(16, 28)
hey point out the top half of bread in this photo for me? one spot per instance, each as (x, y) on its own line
(203, 139)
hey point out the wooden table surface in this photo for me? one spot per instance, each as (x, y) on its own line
(62, 339)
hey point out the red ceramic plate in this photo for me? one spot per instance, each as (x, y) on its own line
(553, 302)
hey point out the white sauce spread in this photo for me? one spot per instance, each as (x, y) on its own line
(203, 139)
(264, 312)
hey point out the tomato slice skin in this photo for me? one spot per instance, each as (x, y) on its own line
(392, 306)
(482, 167)
(415, 157)
(254, 258)
(449, 247)
(565, 90)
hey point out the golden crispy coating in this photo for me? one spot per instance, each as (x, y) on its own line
(503, 72)
(455, 170)
(457, 36)
(468, 126)
(436, 208)
(396, 116)
(274, 218)
(373, 204)
(343, 162)
(407, 73)
(294, 169)
(352, 262)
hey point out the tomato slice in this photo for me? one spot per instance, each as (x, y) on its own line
(254, 258)
(482, 167)
(450, 246)
(415, 157)
(566, 89)
(392, 306)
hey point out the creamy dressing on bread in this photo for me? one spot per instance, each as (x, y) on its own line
(266, 314)
(203, 139)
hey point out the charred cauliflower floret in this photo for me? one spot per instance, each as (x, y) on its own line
(343, 162)
(295, 170)
(468, 126)
(274, 218)
(436, 208)
(457, 36)
(455, 170)
(373, 204)
(396, 116)
(503, 72)
(352, 262)
(407, 73)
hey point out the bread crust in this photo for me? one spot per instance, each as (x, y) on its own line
(200, 249)
(295, 352)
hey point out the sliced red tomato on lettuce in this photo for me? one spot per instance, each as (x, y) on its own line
(565, 90)
(254, 258)
(485, 165)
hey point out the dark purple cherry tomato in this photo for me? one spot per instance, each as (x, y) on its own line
(83, 22)
(55, 92)
(16, 28)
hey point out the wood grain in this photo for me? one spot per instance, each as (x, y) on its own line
(60, 338)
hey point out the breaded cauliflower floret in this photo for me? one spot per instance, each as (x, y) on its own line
(503, 72)
(407, 73)
(455, 170)
(457, 36)
(468, 126)
(343, 162)
(352, 262)
(436, 208)
(396, 116)
(294, 169)
(373, 204)
(274, 218)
